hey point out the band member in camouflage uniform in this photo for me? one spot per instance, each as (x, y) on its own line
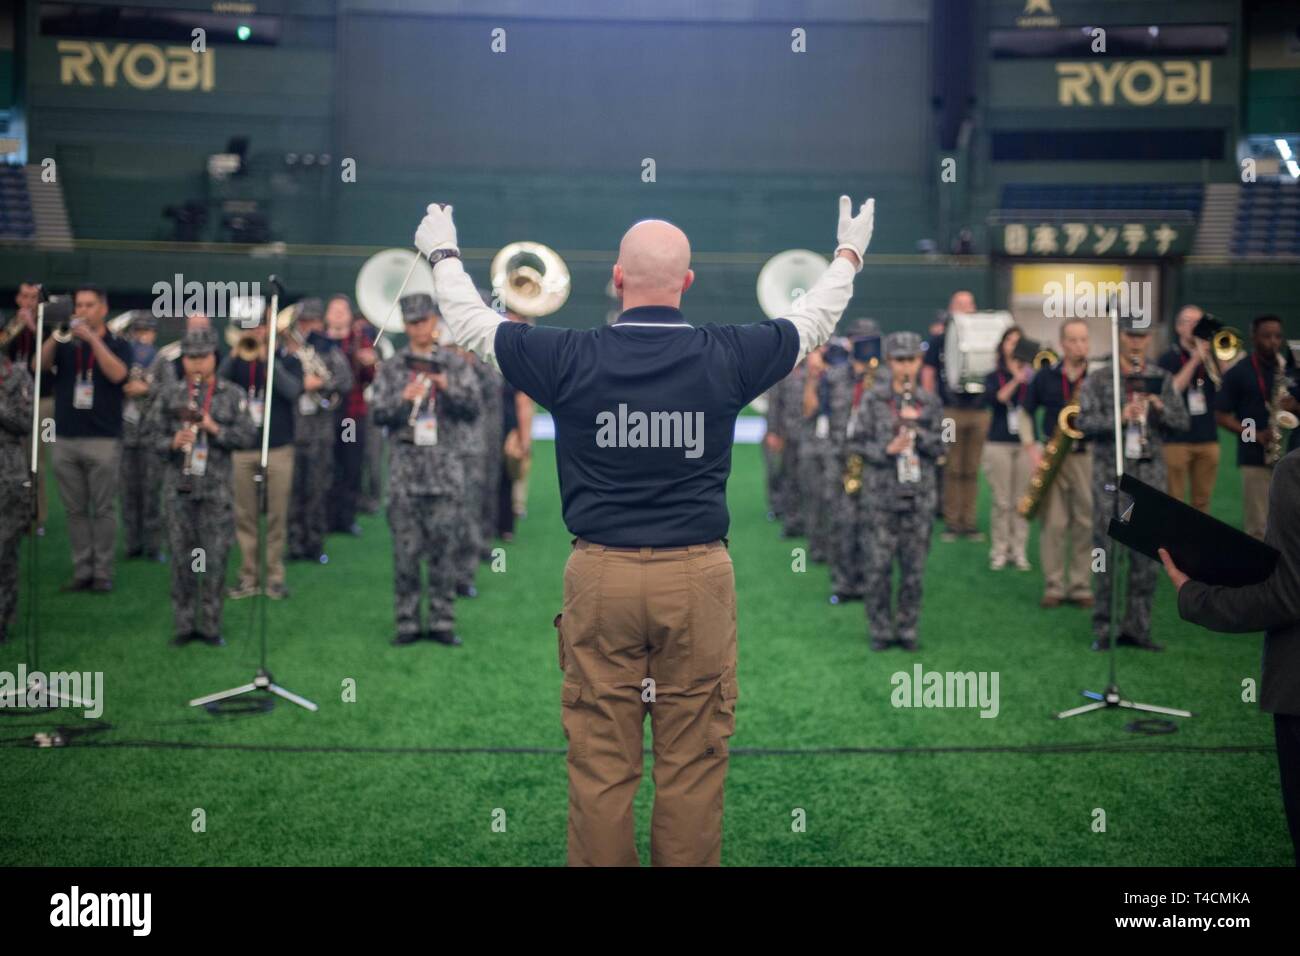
(1145, 416)
(418, 393)
(15, 481)
(140, 465)
(465, 439)
(847, 384)
(899, 436)
(195, 425)
(784, 414)
(313, 432)
(816, 449)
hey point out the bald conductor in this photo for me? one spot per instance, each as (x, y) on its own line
(645, 412)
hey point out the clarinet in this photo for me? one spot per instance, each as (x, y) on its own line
(193, 416)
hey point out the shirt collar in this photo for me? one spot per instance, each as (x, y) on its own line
(651, 315)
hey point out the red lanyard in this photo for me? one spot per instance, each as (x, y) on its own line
(1020, 399)
(858, 389)
(1259, 375)
(1065, 383)
(252, 377)
(89, 368)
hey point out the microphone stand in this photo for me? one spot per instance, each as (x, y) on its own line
(1111, 696)
(37, 687)
(262, 680)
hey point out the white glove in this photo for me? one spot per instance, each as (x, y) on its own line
(436, 231)
(855, 231)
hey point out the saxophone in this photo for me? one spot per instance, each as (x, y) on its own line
(851, 478)
(1282, 421)
(1062, 442)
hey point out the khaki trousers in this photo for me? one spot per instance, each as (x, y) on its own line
(961, 470)
(279, 482)
(1066, 539)
(1006, 464)
(647, 631)
(1197, 462)
(87, 470)
(1255, 480)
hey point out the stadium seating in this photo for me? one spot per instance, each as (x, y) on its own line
(16, 219)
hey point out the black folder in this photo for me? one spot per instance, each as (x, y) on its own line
(1204, 548)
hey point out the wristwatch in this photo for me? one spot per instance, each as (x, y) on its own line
(439, 254)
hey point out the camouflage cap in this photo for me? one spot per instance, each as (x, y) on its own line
(900, 345)
(417, 306)
(1135, 324)
(142, 320)
(309, 310)
(199, 342)
(863, 328)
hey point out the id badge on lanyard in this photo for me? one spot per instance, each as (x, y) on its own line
(131, 412)
(1132, 442)
(1196, 402)
(909, 468)
(1013, 420)
(255, 407)
(199, 456)
(426, 430)
(83, 392)
(308, 404)
(823, 428)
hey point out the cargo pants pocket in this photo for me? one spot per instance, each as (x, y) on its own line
(574, 718)
(559, 636)
(723, 722)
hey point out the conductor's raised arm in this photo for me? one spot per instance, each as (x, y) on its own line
(820, 308)
(473, 325)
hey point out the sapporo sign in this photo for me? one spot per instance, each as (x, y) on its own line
(142, 66)
(1111, 240)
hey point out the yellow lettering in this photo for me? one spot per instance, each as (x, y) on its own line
(1072, 85)
(75, 62)
(131, 67)
(1180, 83)
(182, 72)
(108, 60)
(1205, 81)
(1154, 90)
(1106, 79)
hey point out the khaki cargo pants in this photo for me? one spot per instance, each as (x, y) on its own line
(647, 631)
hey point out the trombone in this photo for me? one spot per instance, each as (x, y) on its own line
(1226, 346)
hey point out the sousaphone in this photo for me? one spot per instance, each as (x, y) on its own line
(786, 277)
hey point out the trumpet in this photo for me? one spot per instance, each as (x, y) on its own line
(312, 363)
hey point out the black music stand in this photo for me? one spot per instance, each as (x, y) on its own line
(262, 680)
(1112, 697)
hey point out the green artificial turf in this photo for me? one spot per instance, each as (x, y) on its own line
(380, 781)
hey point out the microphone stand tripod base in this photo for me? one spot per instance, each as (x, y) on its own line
(1111, 697)
(262, 681)
(17, 699)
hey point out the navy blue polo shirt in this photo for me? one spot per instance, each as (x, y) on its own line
(645, 412)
